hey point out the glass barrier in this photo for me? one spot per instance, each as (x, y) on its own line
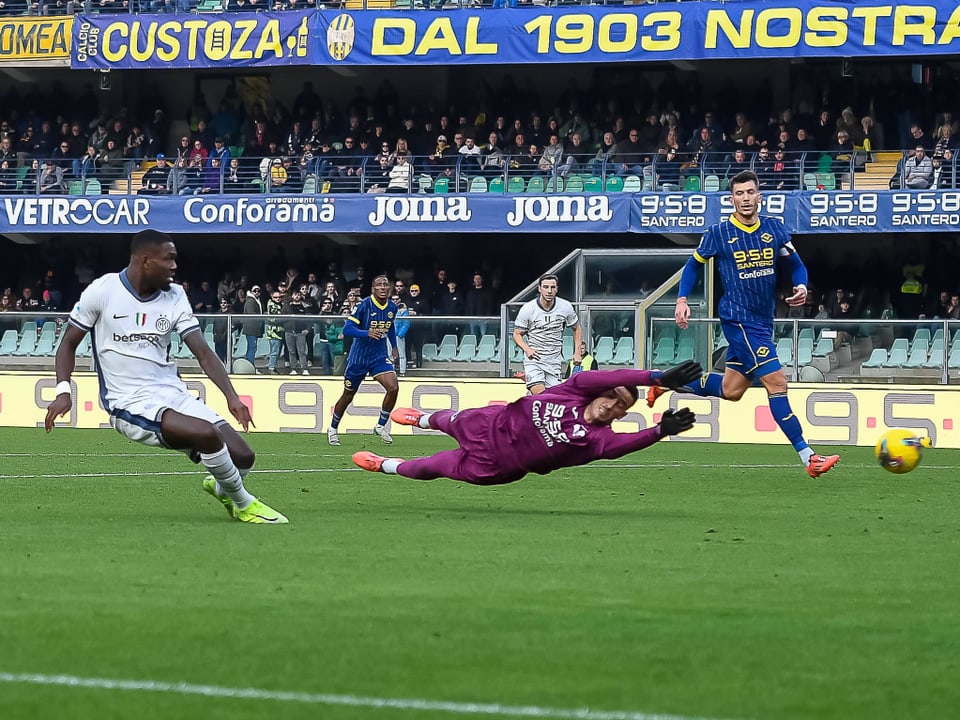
(821, 351)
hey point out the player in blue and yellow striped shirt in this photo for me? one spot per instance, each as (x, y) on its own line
(747, 248)
(371, 327)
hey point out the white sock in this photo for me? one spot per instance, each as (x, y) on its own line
(390, 466)
(229, 481)
(424, 423)
(806, 454)
(243, 473)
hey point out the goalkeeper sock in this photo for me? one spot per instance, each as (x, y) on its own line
(221, 466)
(390, 466)
(335, 420)
(788, 422)
(384, 416)
(424, 423)
(709, 385)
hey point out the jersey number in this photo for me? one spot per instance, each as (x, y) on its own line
(753, 255)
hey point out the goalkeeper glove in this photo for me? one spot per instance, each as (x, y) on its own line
(674, 422)
(683, 374)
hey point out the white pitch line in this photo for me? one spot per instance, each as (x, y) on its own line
(153, 474)
(416, 704)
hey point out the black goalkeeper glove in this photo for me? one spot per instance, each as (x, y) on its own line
(683, 374)
(675, 422)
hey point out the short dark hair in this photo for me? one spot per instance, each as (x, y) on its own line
(744, 177)
(148, 238)
(547, 276)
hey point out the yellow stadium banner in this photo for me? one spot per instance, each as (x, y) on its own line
(35, 41)
(830, 414)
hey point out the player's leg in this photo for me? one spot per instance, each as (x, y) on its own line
(733, 382)
(350, 384)
(180, 431)
(775, 383)
(391, 385)
(535, 378)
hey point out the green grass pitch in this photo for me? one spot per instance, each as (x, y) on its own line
(689, 580)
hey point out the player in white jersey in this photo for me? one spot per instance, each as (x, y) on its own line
(131, 315)
(538, 330)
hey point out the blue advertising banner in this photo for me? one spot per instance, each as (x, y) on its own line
(384, 212)
(678, 31)
(112, 42)
(661, 213)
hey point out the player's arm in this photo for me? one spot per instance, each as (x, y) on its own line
(594, 383)
(518, 334)
(798, 274)
(66, 361)
(577, 340)
(617, 445)
(351, 328)
(213, 368)
(688, 278)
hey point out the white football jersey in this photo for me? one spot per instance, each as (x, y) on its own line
(130, 337)
(544, 328)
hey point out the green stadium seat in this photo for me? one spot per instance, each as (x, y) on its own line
(83, 349)
(486, 349)
(536, 184)
(632, 183)
(441, 186)
(614, 184)
(593, 184)
(448, 348)
(692, 184)
(467, 350)
(429, 352)
(574, 184)
(685, 349)
(310, 185)
(516, 184)
(711, 183)
(603, 352)
(623, 352)
(785, 351)
(263, 348)
(937, 354)
(665, 351)
(496, 186)
(877, 359)
(804, 351)
(478, 185)
(75, 187)
(92, 187)
(240, 347)
(9, 342)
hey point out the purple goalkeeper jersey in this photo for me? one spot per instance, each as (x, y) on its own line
(547, 431)
(537, 433)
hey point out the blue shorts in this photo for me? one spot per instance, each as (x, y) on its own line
(355, 373)
(751, 351)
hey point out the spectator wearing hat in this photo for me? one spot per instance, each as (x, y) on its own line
(252, 327)
(419, 306)
(220, 152)
(154, 180)
(443, 159)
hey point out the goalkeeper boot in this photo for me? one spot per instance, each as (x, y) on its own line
(819, 464)
(381, 432)
(210, 485)
(260, 514)
(333, 437)
(370, 461)
(406, 416)
(653, 392)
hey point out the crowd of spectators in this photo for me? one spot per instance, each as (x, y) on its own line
(377, 144)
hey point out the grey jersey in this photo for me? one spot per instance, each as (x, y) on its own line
(544, 328)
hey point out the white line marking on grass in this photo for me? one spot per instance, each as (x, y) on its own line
(418, 704)
(153, 474)
(158, 455)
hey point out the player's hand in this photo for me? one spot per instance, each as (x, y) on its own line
(242, 413)
(577, 360)
(681, 313)
(683, 374)
(675, 422)
(60, 406)
(799, 296)
(375, 334)
(532, 354)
